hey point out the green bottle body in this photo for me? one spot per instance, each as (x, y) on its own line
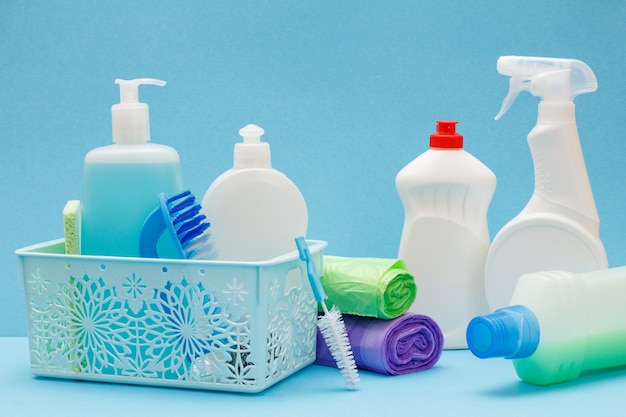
(582, 320)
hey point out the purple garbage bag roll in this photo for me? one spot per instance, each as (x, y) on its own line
(408, 343)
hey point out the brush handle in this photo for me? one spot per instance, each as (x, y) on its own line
(314, 280)
(152, 229)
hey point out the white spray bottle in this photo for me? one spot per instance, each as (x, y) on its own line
(559, 227)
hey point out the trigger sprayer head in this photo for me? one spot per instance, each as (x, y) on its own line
(552, 79)
(130, 118)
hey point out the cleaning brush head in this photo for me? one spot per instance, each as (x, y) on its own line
(330, 324)
(180, 215)
(333, 330)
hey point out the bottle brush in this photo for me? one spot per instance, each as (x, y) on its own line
(331, 323)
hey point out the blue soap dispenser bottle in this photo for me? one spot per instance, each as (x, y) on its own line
(122, 181)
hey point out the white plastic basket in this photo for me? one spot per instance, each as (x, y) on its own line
(230, 326)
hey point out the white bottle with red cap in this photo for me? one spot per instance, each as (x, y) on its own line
(446, 193)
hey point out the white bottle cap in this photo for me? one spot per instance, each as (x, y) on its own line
(130, 118)
(252, 153)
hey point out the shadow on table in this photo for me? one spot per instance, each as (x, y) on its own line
(522, 388)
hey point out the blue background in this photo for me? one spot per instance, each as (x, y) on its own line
(347, 92)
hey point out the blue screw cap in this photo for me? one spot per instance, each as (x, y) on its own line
(510, 332)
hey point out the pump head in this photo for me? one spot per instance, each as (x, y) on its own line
(552, 79)
(130, 118)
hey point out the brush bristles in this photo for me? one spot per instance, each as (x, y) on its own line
(190, 226)
(333, 330)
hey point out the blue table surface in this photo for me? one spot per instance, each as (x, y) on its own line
(458, 385)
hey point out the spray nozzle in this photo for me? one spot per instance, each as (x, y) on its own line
(131, 120)
(554, 79)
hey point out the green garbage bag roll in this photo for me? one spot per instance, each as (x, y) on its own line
(370, 287)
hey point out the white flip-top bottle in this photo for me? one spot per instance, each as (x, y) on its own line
(122, 181)
(255, 210)
(446, 193)
(559, 227)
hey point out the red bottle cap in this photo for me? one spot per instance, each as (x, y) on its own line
(446, 136)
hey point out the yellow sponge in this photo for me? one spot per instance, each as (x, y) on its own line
(71, 227)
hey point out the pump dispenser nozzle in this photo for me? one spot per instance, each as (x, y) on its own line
(552, 79)
(130, 118)
(252, 153)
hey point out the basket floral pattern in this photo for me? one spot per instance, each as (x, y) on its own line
(180, 330)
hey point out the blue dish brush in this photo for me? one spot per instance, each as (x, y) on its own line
(180, 215)
(331, 323)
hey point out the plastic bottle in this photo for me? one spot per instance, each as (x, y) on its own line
(559, 227)
(446, 193)
(559, 324)
(122, 181)
(255, 210)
